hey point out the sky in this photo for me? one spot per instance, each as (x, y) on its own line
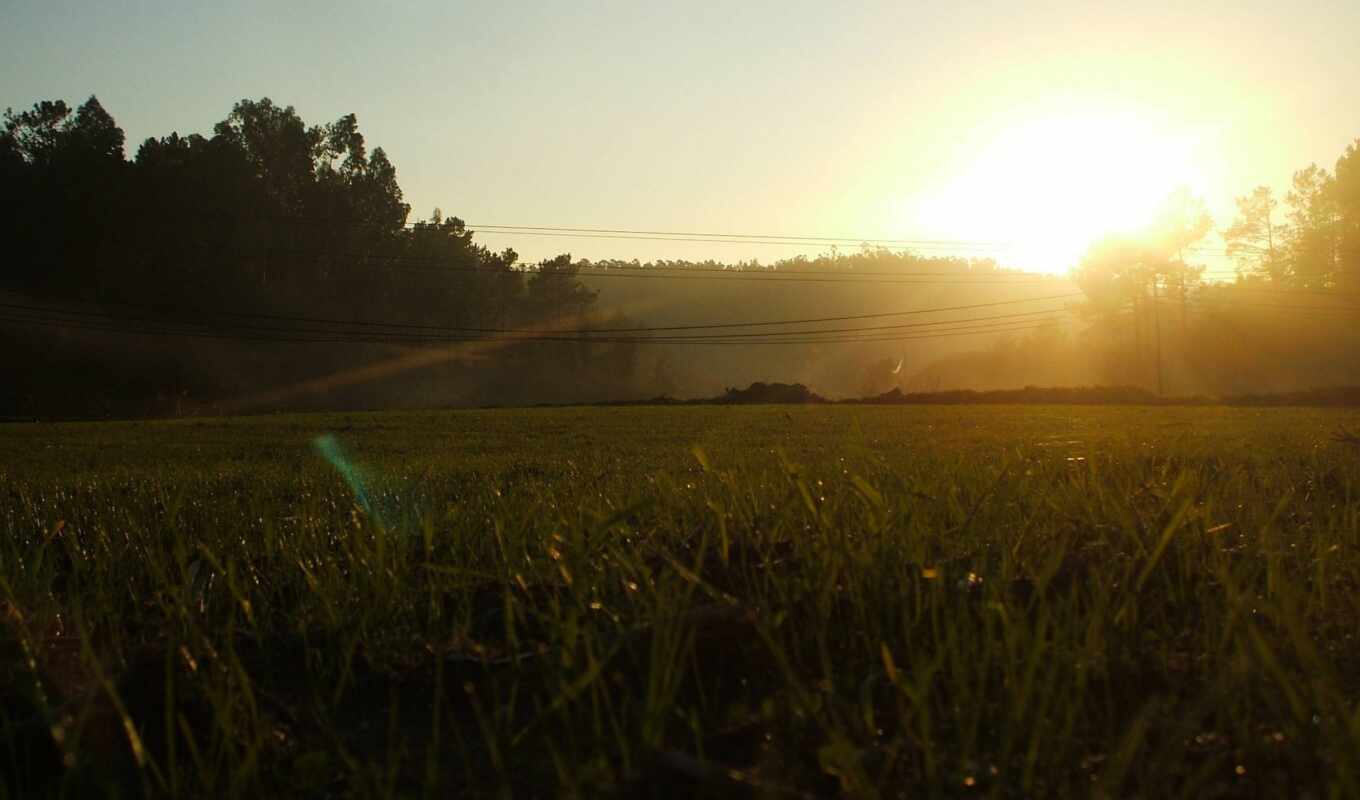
(1037, 125)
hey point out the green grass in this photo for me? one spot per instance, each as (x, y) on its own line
(894, 602)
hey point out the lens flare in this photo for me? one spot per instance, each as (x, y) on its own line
(329, 448)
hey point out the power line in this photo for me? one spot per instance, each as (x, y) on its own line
(1053, 315)
(952, 248)
(743, 236)
(349, 334)
(560, 231)
(246, 336)
(1219, 316)
(969, 331)
(632, 232)
(1347, 310)
(1268, 290)
(719, 238)
(395, 328)
(852, 317)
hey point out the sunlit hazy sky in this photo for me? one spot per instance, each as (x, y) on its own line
(1037, 123)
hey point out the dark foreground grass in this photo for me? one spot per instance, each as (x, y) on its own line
(896, 602)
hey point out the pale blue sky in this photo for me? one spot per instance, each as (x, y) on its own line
(873, 119)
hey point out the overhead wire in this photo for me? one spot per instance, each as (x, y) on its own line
(400, 328)
(703, 235)
(408, 332)
(561, 231)
(248, 335)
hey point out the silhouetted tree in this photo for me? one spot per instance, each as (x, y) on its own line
(1255, 240)
(268, 215)
(1347, 196)
(1314, 228)
(1139, 272)
(63, 173)
(1116, 273)
(1180, 223)
(554, 292)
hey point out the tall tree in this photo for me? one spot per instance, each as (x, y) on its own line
(331, 206)
(279, 146)
(35, 136)
(1180, 223)
(1347, 195)
(1314, 228)
(1122, 273)
(93, 134)
(63, 172)
(1255, 240)
(198, 229)
(1116, 275)
(554, 293)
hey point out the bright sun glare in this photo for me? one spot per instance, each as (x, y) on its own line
(1048, 187)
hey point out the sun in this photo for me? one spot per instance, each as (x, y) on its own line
(1045, 188)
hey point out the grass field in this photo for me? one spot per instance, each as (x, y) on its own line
(721, 601)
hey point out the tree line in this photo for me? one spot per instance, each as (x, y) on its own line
(267, 215)
(272, 217)
(1315, 243)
